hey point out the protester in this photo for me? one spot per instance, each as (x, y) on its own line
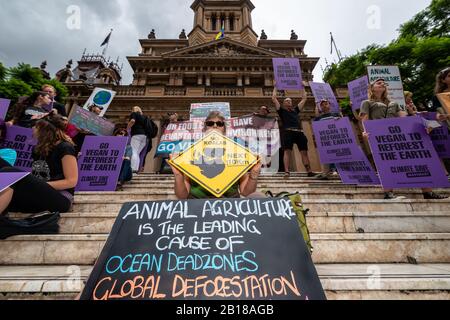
(410, 106)
(138, 136)
(323, 112)
(380, 107)
(188, 189)
(95, 109)
(263, 112)
(442, 85)
(126, 173)
(51, 185)
(60, 108)
(29, 111)
(291, 131)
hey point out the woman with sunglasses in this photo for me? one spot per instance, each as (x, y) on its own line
(51, 185)
(188, 189)
(32, 109)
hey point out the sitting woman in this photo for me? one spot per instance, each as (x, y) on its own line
(28, 112)
(55, 173)
(187, 189)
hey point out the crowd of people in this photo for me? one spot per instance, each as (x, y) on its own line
(54, 176)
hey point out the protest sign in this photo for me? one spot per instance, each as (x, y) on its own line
(404, 154)
(358, 172)
(4, 106)
(439, 136)
(100, 163)
(85, 120)
(215, 162)
(323, 91)
(228, 249)
(287, 73)
(393, 79)
(444, 99)
(336, 141)
(358, 91)
(200, 111)
(7, 179)
(101, 98)
(21, 140)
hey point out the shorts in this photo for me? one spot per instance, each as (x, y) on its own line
(294, 137)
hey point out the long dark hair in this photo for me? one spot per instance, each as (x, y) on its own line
(440, 86)
(21, 106)
(49, 131)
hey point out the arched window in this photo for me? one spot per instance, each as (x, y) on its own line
(232, 22)
(214, 22)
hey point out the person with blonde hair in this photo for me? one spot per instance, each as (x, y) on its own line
(410, 106)
(138, 136)
(378, 106)
(188, 189)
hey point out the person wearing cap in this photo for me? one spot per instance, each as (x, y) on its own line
(323, 112)
(291, 130)
(378, 106)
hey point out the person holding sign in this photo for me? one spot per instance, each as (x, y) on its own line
(60, 108)
(292, 132)
(380, 107)
(55, 173)
(138, 137)
(32, 109)
(188, 189)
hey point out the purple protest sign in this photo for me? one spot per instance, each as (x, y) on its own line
(21, 140)
(288, 74)
(100, 163)
(4, 106)
(323, 91)
(404, 154)
(336, 141)
(358, 172)
(358, 91)
(7, 179)
(439, 136)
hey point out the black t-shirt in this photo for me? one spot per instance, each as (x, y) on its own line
(139, 125)
(60, 108)
(51, 168)
(25, 119)
(289, 119)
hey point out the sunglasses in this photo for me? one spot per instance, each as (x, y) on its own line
(219, 124)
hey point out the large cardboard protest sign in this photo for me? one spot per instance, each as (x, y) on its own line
(200, 111)
(101, 98)
(215, 162)
(393, 79)
(85, 120)
(404, 154)
(439, 136)
(7, 179)
(4, 106)
(323, 91)
(358, 91)
(178, 136)
(358, 173)
(287, 73)
(21, 140)
(336, 141)
(100, 163)
(228, 249)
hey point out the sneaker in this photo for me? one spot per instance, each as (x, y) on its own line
(392, 196)
(433, 196)
(311, 174)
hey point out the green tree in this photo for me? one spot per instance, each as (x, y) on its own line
(3, 72)
(421, 51)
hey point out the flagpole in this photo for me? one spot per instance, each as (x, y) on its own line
(107, 44)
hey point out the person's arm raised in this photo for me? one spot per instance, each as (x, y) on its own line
(275, 98)
(302, 103)
(182, 187)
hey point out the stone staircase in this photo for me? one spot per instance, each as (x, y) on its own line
(364, 247)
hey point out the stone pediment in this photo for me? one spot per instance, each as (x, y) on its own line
(222, 48)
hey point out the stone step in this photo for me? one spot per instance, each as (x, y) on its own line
(340, 281)
(143, 194)
(328, 248)
(333, 222)
(331, 205)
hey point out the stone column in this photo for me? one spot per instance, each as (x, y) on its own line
(208, 80)
(227, 22)
(247, 79)
(239, 80)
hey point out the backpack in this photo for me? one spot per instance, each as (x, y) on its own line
(150, 127)
(301, 212)
(46, 223)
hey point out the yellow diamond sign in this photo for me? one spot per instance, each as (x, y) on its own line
(215, 162)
